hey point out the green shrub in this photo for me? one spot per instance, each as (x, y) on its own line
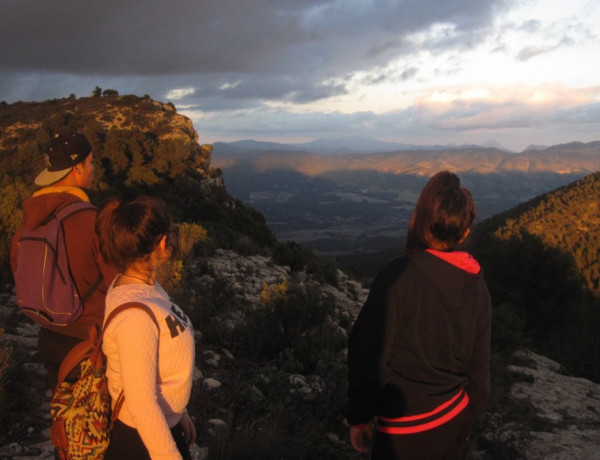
(15, 385)
(282, 434)
(206, 304)
(282, 424)
(508, 330)
(325, 270)
(294, 329)
(541, 300)
(291, 254)
(246, 246)
(5, 366)
(193, 240)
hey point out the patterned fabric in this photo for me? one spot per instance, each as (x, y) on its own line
(81, 412)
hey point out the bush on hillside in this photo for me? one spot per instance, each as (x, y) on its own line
(5, 367)
(131, 159)
(298, 258)
(293, 328)
(540, 294)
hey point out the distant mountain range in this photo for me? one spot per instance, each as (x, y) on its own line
(345, 145)
(355, 144)
(314, 158)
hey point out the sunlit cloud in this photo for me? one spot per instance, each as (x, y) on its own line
(499, 107)
(230, 85)
(179, 93)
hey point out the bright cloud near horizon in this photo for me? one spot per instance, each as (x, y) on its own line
(517, 72)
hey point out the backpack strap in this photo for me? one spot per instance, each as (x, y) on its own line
(121, 398)
(62, 214)
(70, 208)
(77, 354)
(93, 288)
(92, 346)
(126, 306)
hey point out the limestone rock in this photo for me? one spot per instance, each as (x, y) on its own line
(211, 384)
(570, 407)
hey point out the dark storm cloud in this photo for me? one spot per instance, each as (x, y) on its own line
(270, 49)
(269, 87)
(154, 37)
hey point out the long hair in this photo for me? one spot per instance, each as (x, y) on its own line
(443, 214)
(129, 232)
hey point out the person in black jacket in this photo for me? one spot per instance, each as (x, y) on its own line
(418, 353)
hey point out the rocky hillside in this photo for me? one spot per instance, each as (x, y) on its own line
(140, 146)
(542, 414)
(567, 219)
(542, 266)
(119, 112)
(26, 126)
(565, 410)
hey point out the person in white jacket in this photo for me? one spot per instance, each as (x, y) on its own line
(152, 366)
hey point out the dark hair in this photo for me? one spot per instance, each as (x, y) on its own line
(443, 214)
(131, 231)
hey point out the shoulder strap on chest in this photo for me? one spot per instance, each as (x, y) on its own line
(126, 306)
(92, 347)
(71, 208)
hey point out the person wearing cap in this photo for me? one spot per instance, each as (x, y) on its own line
(69, 172)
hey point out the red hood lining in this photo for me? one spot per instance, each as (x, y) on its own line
(460, 259)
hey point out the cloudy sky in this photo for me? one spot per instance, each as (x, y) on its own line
(518, 72)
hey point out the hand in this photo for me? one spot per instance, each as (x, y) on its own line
(189, 430)
(361, 436)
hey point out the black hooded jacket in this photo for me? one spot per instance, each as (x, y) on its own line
(422, 336)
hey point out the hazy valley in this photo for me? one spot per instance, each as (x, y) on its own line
(339, 202)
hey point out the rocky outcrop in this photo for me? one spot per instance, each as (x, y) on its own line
(121, 112)
(22, 124)
(567, 409)
(546, 414)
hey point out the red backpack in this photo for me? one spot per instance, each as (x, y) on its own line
(46, 291)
